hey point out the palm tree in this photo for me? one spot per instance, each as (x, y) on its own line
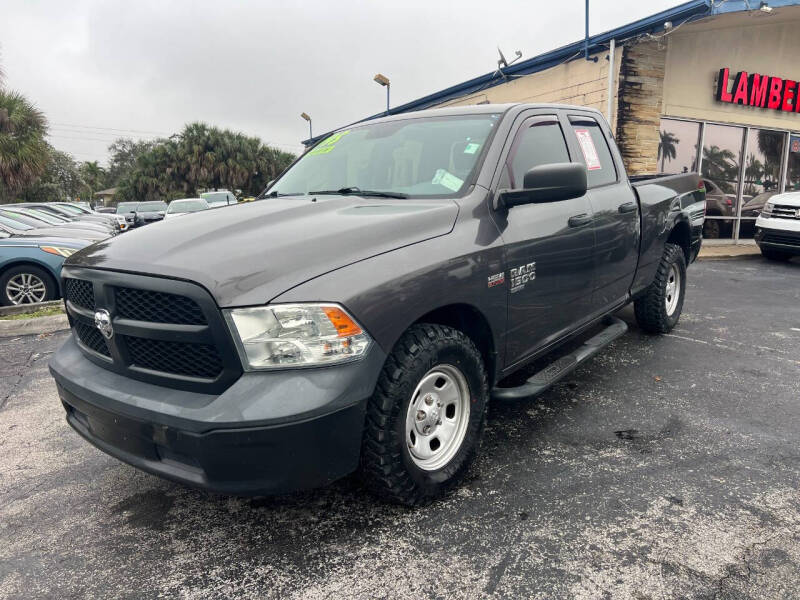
(23, 150)
(93, 176)
(666, 148)
(720, 166)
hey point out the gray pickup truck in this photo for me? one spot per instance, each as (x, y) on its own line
(363, 312)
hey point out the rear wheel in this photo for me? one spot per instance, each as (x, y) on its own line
(426, 416)
(26, 284)
(771, 254)
(659, 308)
(711, 229)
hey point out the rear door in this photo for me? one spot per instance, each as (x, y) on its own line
(614, 207)
(548, 246)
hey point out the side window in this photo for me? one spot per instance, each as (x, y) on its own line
(539, 141)
(594, 151)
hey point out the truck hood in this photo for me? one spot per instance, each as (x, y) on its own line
(247, 254)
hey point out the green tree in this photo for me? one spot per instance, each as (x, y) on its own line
(60, 181)
(123, 154)
(93, 176)
(23, 150)
(720, 166)
(753, 171)
(202, 157)
(666, 148)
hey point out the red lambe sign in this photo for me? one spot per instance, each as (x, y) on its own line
(759, 90)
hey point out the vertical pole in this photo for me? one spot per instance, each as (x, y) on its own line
(310, 133)
(610, 105)
(586, 39)
(388, 85)
(785, 162)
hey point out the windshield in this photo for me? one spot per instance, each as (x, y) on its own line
(126, 207)
(46, 217)
(420, 157)
(151, 206)
(184, 206)
(71, 209)
(14, 224)
(22, 218)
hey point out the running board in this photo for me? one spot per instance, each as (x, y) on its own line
(564, 365)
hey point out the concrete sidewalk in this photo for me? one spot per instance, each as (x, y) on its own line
(714, 252)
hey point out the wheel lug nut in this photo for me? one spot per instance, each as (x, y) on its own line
(428, 399)
(420, 415)
(426, 429)
(439, 422)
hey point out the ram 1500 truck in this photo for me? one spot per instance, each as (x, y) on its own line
(363, 312)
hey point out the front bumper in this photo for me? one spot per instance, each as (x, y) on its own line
(269, 432)
(784, 240)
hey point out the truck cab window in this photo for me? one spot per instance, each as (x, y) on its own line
(594, 151)
(539, 141)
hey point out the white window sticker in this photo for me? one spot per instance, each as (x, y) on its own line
(588, 149)
(448, 180)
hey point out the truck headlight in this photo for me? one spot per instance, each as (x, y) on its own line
(296, 335)
(767, 211)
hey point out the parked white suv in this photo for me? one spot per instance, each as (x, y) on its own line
(778, 227)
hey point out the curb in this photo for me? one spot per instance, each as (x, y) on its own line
(22, 309)
(34, 326)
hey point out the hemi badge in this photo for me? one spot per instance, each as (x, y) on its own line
(496, 279)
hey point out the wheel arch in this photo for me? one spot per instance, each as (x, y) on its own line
(473, 323)
(681, 234)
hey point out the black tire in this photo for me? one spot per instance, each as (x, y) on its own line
(711, 229)
(387, 466)
(776, 255)
(651, 308)
(50, 292)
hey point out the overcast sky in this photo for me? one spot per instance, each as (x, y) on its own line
(99, 69)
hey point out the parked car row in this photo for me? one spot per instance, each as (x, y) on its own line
(36, 237)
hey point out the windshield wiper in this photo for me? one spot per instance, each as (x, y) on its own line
(277, 194)
(356, 191)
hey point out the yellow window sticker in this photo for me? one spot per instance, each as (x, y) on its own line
(329, 144)
(448, 180)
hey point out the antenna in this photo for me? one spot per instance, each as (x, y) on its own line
(503, 63)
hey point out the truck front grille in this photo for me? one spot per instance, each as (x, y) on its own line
(779, 211)
(158, 307)
(194, 360)
(166, 332)
(79, 292)
(91, 338)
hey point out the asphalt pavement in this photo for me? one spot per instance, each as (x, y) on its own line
(667, 467)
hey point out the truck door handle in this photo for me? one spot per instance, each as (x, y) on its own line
(579, 220)
(627, 207)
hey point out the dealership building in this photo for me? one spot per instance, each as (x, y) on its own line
(705, 86)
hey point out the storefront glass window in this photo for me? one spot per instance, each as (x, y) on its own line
(762, 174)
(721, 164)
(793, 168)
(677, 146)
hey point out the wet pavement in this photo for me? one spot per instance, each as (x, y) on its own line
(667, 467)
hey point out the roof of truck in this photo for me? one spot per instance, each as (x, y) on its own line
(472, 109)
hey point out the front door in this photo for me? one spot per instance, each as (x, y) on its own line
(548, 246)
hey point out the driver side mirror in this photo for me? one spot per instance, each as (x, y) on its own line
(547, 183)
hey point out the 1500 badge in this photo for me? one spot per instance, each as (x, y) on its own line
(522, 275)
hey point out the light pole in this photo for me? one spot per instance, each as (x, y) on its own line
(307, 118)
(384, 81)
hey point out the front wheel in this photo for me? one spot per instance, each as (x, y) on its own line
(425, 419)
(659, 308)
(26, 285)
